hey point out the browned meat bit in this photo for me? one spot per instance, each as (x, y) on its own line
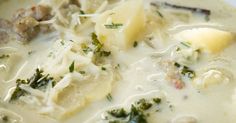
(26, 21)
(26, 28)
(38, 12)
(5, 28)
(172, 74)
(4, 37)
(5, 24)
(41, 13)
(75, 2)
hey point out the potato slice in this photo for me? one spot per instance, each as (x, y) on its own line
(120, 26)
(212, 40)
(75, 91)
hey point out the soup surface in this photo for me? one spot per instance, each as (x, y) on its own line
(117, 61)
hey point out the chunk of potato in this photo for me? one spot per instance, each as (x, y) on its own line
(120, 26)
(212, 40)
(210, 78)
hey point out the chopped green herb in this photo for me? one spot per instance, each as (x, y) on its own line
(109, 97)
(177, 65)
(39, 81)
(118, 113)
(72, 67)
(82, 72)
(113, 25)
(4, 56)
(137, 114)
(160, 14)
(157, 100)
(62, 42)
(117, 66)
(105, 53)
(85, 48)
(99, 53)
(188, 72)
(82, 12)
(18, 92)
(50, 54)
(178, 49)
(96, 43)
(30, 52)
(4, 118)
(115, 121)
(184, 70)
(135, 44)
(171, 107)
(186, 44)
(144, 104)
(103, 68)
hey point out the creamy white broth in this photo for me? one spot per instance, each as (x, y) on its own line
(139, 74)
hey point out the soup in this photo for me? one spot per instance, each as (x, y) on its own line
(117, 61)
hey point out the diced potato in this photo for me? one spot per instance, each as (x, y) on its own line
(212, 40)
(122, 25)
